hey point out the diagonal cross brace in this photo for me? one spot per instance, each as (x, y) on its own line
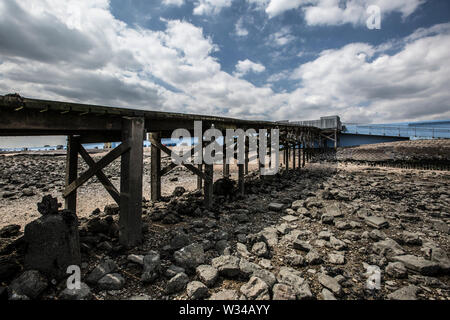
(100, 175)
(173, 165)
(188, 166)
(105, 161)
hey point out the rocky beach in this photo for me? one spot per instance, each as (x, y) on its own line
(327, 231)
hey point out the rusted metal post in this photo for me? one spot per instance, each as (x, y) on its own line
(71, 171)
(155, 173)
(130, 221)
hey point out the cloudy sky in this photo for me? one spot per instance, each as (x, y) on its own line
(254, 59)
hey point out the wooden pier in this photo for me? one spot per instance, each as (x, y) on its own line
(94, 124)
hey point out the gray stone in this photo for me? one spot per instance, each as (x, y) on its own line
(297, 204)
(396, 270)
(228, 266)
(411, 238)
(138, 259)
(270, 236)
(302, 245)
(313, 258)
(30, 284)
(290, 218)
(334, 211)
(255, 289)
(440, 256)
(84, 293)
(265, 275)
(325, 235)
(327, 219)
(295, 260)
(418, 264)
(197, 290)
(225, 295)
(336, 258)
(377, 235)
(276, 206)
(152, 267)
(112, 209)
(190, 256)
(283, 291)
(177, 283)
(112, 281)
(173, 270)
(9, 231)
(53, 244)
(343, 225)
(330, 283)
(338, 244)
(260, 250)
(293, 278)
(242, 250)
(405, 293)
(327, 295)
(207, 274)
(247, 269)
(387, 248)
(102, 269)
(179, 240)
(376, 222)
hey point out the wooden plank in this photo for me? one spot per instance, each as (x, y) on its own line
(71, 172)
(105, 161)
(155, 170)
(130, 221)
(100, 175)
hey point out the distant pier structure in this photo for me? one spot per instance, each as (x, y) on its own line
(86, 124)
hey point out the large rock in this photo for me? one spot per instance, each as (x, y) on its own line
(396, 270)
(387, 248)
(405, 293)
(207, 274)
(228, 266)
(330, 283)
(256, 289)
(190, 256)
(260, 250)
(177, 283)
(53, 244)
(30, 283)
(293, 278)
(418, 264)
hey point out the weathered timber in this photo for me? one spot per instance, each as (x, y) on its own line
(130, 221)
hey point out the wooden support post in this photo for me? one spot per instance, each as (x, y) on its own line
(155, 173)
(247, 158)
(71, 172)
(209, 183)
(241, 180)
(287, 156)
(208, 188)
(130, 221)
(293, 156)
(304, 153)
(199, 178)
